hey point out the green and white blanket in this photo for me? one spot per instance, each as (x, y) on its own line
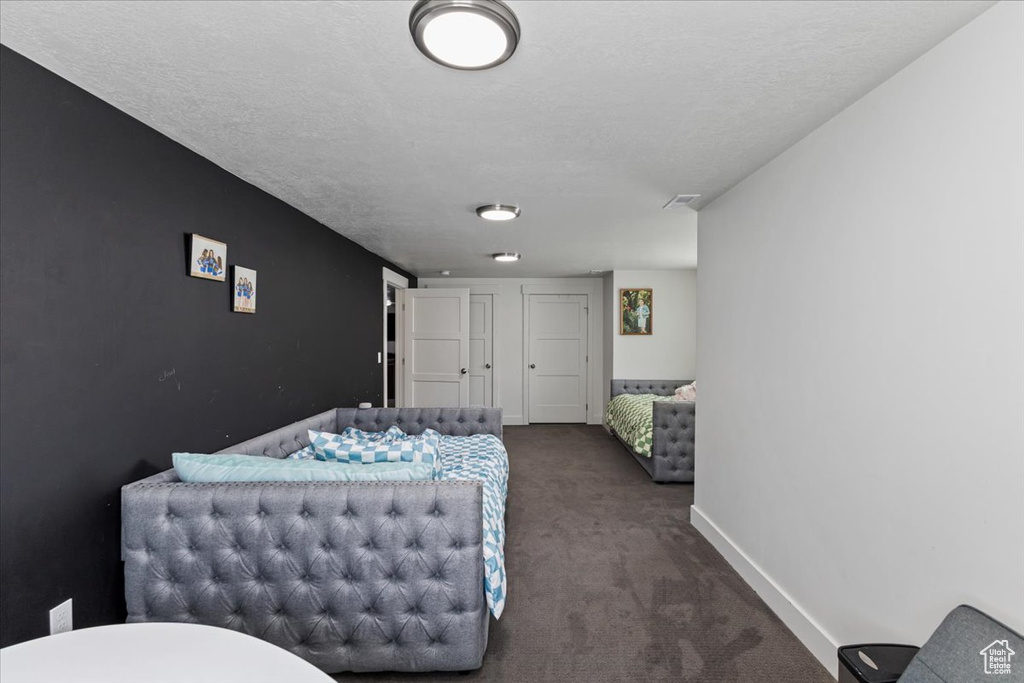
(632, 418)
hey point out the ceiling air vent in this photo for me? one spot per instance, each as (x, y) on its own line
(680, 200)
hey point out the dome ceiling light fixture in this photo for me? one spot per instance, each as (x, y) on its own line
(464, 34)
(498, 212)
(506, 256)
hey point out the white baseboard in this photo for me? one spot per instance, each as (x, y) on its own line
(807, 631)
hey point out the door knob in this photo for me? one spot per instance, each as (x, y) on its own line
(488, 366)
(463, 371)
(532, 366)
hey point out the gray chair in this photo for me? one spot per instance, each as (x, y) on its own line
(968, 647)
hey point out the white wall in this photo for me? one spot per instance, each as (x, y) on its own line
(671, 351)
(861, 333)
(508, 340)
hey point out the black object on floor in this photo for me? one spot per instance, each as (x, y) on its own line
(874, 663)
(608, 581)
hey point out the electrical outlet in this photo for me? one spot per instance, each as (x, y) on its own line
(60, 618)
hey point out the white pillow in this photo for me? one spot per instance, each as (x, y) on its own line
(686, 392)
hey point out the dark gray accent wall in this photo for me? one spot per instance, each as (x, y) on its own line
(111, 357)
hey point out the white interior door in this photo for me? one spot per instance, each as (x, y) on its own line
(436, 368)
(481, 350)
(557, 358)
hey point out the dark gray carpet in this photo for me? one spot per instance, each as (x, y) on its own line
(608, 581)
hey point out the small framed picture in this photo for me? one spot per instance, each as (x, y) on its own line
(245, 290)
(209, 259)
(636, 311)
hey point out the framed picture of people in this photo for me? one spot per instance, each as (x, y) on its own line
(244, 294)
(636, 311)
(209, 259)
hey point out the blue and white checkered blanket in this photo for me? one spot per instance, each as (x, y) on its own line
(482, 458)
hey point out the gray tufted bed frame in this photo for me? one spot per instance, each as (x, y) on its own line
(672, 445)
(374, 576)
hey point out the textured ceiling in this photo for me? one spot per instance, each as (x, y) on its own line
(606, 110)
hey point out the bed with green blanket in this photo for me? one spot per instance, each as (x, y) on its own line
(656, 430)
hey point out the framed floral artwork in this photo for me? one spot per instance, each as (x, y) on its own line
(636, 311)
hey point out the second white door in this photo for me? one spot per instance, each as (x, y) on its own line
(557, 357)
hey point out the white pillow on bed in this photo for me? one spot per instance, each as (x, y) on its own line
(687, 392)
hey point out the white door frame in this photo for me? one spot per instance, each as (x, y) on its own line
(495, 292)
(582, 301)
(400, 283)
(595, 359)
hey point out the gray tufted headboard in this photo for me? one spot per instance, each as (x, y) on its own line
(449, 421)
(658, 387)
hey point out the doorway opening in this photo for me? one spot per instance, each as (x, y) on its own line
(390, 335)
(392, 355)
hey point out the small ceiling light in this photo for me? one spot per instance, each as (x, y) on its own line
(498, 212)
(506, 257)
(464, 34)
(446, 273)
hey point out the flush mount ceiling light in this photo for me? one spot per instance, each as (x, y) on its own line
(498, 212)
(464, 34)
(506, 257)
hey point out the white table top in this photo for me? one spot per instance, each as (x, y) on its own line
(151, 652)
